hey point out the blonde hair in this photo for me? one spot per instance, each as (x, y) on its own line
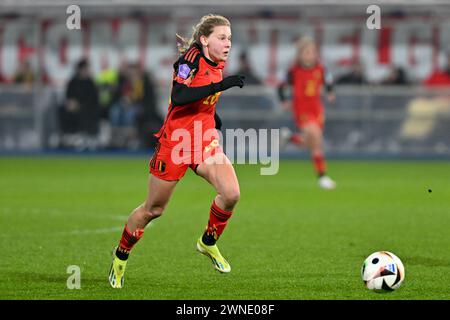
(204, 28)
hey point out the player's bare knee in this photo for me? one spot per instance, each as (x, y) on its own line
(231, 197)
(152, 212)
(156, 212)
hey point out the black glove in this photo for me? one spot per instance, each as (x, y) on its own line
(228, 82)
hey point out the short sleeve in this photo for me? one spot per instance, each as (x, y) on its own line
(289, 76)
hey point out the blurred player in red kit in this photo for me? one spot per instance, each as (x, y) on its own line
(306, 78)
(189, 139)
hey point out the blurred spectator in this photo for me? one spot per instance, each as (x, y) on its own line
(80, 114)
(396, 76)
(355, 76)
(24, 74)
(439, 78)
(106, 81)
(134, 115)
(245, 70)
(149, 121)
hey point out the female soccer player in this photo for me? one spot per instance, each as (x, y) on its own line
(188, 139)
(307, 77)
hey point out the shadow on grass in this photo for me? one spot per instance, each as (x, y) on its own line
(427, 262)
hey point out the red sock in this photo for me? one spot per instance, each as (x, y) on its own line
(296, 138)
(218, 220)
(129, 239)
(319, 164)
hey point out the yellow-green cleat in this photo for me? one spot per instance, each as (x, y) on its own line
(116, 274)
(219, 262)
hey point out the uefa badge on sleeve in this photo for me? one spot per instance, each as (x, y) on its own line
(183, 71)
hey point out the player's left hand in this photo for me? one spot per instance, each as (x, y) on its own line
(286, 105)
(331, 97)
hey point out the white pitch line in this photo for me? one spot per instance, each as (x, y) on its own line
(95, 231)
(78, 232)
(120, 218)
(86, 231)
(69, 233)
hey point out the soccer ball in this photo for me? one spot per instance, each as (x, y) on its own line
(382, 271)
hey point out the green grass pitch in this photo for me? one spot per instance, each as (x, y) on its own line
(286, 240)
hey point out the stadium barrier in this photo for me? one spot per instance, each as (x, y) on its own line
(364, 120)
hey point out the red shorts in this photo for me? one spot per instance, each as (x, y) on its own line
(171, 164)
(304, 118)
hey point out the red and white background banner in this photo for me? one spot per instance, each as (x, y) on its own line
(419, 45)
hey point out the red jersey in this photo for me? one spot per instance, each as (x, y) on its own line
(306, 87)
(194, 70)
